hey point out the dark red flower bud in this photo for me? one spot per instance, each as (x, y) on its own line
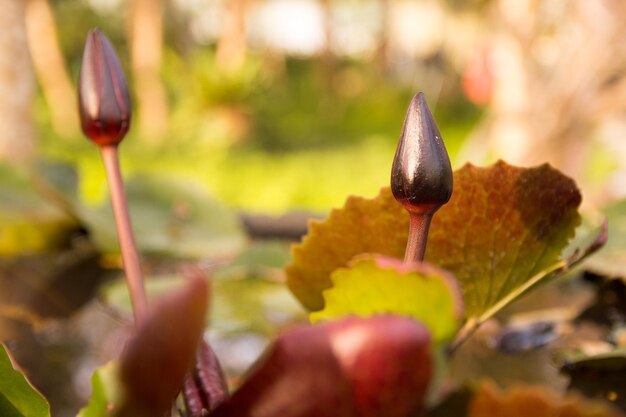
(421, 175)
(104, 102)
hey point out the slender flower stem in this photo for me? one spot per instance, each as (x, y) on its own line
(130, 256)
(419, 223)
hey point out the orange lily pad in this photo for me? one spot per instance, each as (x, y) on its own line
(503, 226)
(534, 401)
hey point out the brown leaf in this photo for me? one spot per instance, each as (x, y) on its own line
(503, 225)
(534, 401)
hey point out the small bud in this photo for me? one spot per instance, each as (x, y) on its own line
(104, 102)
(421, 175)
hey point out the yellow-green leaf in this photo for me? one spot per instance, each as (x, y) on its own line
(379, 285)
(106, 390)
(611, 260)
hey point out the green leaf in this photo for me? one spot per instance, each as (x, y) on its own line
(169, 216)
(105, 391)
(115, 293)
(263, 254)
(611, 260)
(28, 222)
(578, 254)
(245, 303)
(503, 227)
(378, 285)
(599, 376)
(18, 398)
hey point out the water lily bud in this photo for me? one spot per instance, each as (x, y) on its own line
(104, 102)
(421, 175)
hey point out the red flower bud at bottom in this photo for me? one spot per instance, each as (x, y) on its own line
(355, 367)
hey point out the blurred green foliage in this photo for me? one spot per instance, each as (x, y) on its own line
(290, 156)
(29, 223)
(278, 133)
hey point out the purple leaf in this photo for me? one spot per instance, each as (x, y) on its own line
(156, 360)
(205, 388)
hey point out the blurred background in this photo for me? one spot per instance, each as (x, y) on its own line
(275, 105)
(251, 116)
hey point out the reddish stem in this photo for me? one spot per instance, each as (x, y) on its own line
(130, 256)
(419, 223)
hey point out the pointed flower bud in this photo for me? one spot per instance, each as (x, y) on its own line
(421, 175)
(104, 102)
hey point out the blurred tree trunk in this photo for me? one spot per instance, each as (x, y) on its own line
(558, 79)
(382, 52)
(547, 102)
(146, 40)
(17, 133)
(50, 67)
(327, 8)
(232, 47)
(328, 56)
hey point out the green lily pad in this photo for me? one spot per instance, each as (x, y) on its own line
(18, 398)
(263, 254)
(503, 227)
(171, 217)
(379, 285)
(28, 222)
(240, 304)
(115, 293)
(599, 376)
(611, 260)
